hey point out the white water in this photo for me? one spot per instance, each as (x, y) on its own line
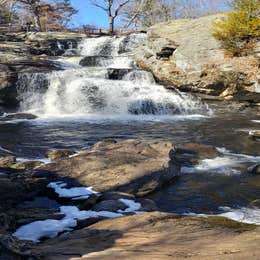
(89, 93)
(227, 163)
(244, 215)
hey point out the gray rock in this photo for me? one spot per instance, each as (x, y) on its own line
(184, 54)
(110, 205)
(255, 169)
(18, 116)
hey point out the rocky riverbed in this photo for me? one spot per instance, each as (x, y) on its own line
(38, 203)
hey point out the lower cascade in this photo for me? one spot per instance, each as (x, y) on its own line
(109, 84)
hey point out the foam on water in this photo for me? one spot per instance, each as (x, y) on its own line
(227, 164)
(244, 215)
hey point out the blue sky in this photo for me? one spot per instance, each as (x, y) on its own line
(88, 14)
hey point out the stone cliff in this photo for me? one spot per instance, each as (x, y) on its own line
(184, 54)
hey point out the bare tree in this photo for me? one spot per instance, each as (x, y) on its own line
(112, 8)
(34, 7)
(145, 13)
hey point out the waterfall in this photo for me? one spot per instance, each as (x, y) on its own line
(109, 84)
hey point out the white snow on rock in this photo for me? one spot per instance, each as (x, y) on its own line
(132, 206)
(74, 193)
(50, 228)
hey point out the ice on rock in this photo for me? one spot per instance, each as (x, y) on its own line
(74, 193)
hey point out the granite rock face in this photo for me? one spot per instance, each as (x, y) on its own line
(149, 236)
(184, 54)
(137, 167)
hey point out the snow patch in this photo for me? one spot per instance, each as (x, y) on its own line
(132, 206)
(44, 160)
(51, 228)
(73, 193)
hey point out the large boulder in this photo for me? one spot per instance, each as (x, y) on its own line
(183, 53)
(133, 166)
(148, 236)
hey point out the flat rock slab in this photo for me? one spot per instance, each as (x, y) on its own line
(151, 236)
(137, 167)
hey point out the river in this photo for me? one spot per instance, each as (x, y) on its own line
(110, 97)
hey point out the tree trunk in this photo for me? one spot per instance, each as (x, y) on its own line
(111, 24)
(37, 20)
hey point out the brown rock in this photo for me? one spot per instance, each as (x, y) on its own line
(192, 153)
(27, 165)
(150, 236)
(137, 167)
(18, 116)
(59, 154)
(7, 161)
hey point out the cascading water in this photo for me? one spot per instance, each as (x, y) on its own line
(91, 91)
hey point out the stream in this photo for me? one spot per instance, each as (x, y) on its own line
(110, 97)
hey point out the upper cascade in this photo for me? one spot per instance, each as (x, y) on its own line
(102, 81)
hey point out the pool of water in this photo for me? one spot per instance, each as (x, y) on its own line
(199, 192)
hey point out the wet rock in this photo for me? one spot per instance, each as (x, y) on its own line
(59, 154)
(19, 186)
(149, 236)
(94, 61)
(9, 75)
(39, 202)
(110, 205)
(18, 116)
(116, 196)
(26, 216)
(86, 204)
(137, 167)
(87, 222)
(191, 153)
(7, 161)
(147, 205)
(255, 203)
(117, 74)
(27, 165)
(255, 169)
(255, 135)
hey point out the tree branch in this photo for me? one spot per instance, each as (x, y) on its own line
(99, 6)
(120, 7)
